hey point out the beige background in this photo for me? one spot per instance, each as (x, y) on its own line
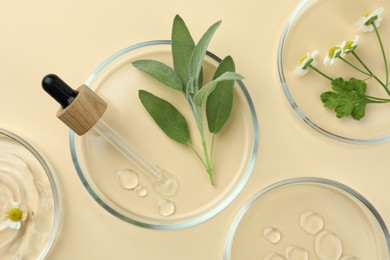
(70, 38)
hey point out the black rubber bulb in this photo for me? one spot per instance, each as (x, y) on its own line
(59, 90)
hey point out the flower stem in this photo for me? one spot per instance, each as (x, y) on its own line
(383, 53)
(378, 100)
(353, 66)
(320, 72)
(369, 71)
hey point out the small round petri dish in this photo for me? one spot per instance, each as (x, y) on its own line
(319, 25)
(117, 185)
(308, 218)
(29, 200)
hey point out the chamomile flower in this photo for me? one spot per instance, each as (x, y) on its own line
(13, 215)
(365, 24)
(348, 46)
(333, 53)
(305, 62)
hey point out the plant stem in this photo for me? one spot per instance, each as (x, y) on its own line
(353, 66)
(212, 149)
(369, 71)
(197, 112)
(209, 167)
(320, 72)
(191, 146)
(378, 100)
(383, 53)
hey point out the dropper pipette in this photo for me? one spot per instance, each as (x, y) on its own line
(82, 110)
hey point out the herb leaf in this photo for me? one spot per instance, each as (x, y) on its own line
(182, 48)
(347, 99)
(201, 96)
(187, 76)
(220, 101)
(161, 72)
(167, 117)
(196, 60)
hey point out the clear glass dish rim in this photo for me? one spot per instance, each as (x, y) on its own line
(302, 180)
(299, 112)
(182, 224)
(52, 180)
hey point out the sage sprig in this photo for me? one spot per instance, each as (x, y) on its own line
(186, 76)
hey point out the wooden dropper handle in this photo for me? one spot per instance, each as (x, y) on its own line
(80, 109)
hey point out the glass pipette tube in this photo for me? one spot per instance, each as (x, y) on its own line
(82, 110)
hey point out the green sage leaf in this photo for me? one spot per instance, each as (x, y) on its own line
(160, 72)
(220, 102)
(201, 96)
(167, 117)
(196, 60)
(182, 48)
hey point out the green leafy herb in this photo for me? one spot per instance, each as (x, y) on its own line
(349, 97)
(182, 47)
(187, 77)
(206, 90)
(167, 117)
(161, 72)
(220, 101)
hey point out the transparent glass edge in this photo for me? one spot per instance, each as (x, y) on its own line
(302, 180)
(189, 223)
(291, 100)
(55, 190)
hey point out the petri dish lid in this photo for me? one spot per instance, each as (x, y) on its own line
(118, 185)
(308, 218)
(27, 184)
(311, 28)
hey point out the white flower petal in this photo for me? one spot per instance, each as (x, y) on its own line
(13, 224)
(326, 60)
(361, 23)
(300, 71)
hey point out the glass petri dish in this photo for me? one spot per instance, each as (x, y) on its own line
(318, 25)
(120, 187)
(308, 218)
(27, 180)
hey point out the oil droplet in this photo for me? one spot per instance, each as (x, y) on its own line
(328, 246)
(141, 191)
(272, 235)
(311, 222)
(128, 179)
(274, 256)
(166, 207)
(296, 253)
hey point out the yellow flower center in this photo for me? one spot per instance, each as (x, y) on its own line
(15, 214)
(302, 59)
(367, 14)
(348, 45)
(332, 51)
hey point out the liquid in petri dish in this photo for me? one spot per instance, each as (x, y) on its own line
(166, 207)
(296, 253)
(128, 179)
(141, 191)
(272, 235)
(311, 222)
(328, 246)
